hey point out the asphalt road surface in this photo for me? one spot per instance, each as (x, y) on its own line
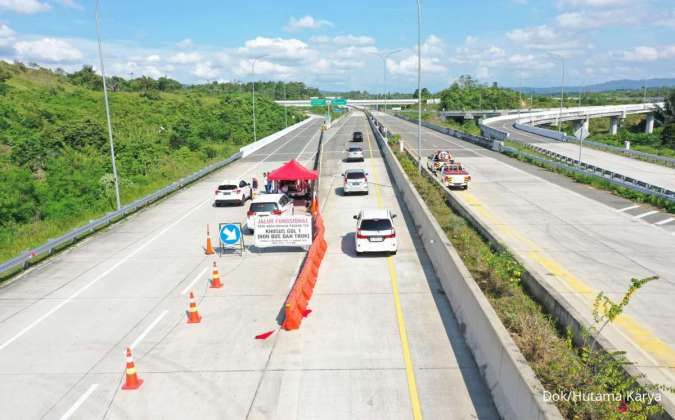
(651, 173)
(66, 323)
(581, 240)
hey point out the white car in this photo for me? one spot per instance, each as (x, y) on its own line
(375, 231)
(232, 191)
(355, 181)
(355, 153)
(267, 205)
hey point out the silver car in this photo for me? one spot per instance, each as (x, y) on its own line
(355, 153)
(355, 181)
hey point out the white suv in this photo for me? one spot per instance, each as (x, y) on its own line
(232, 191)
(375, 231)
(355, 181)
(355, 153)
(267, 205)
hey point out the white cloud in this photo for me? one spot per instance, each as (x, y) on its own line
(595, 3)
(72, 4)
(597, 19)
(666, 19)
(353, 40)
(648, 54)
(305, 22)
(50, 50)
(186, 43)
(154, 58)
(546, 38)
(152, 71)
(24, 6)
(264, 67)
(277, 48)
(433, 54)
(359, 53)
(408, 66)
(6, 31)
(470, 40)
(185, 58)
(206, 71)
(433, 45)
(6, 39)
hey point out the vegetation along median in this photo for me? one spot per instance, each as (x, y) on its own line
(560, 365)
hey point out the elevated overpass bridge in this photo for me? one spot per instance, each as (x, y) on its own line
(358, 102)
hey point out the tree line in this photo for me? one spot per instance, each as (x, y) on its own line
(55, 167)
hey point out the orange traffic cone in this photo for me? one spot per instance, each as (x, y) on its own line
(314, 209)
(132, 380)
(215, 278)
(192, 313)
(209, 247)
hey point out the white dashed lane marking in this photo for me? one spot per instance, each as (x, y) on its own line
(640, 216)
(628, 208)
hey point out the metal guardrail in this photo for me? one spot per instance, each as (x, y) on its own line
(648, 157)
(588, 169)
(561, 161)
(24, 260)
(478, 140)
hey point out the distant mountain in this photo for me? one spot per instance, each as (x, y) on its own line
(612, 85)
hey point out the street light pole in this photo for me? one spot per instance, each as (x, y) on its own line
(253, 89)
(107, 107)
(384, 58)
(285, 107)
(255, 137)
(419, 87)
(562, 87)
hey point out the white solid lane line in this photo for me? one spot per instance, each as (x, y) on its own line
(663, 222)
(628, 208)
(79, 402)
(640, 216)
(192, 283)
(120, 262)
(140, 338)
(100, 276)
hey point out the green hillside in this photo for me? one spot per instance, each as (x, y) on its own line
(55, 170)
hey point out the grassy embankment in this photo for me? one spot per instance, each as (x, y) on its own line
(55, 169)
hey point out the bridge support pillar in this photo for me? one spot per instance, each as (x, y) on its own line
(614, 126)
(649, 124)
(581, 129)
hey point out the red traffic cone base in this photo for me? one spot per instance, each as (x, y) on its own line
(132, 381)
(215, 278)
(193, 316)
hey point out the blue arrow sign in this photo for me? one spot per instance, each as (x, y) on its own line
(230, 234)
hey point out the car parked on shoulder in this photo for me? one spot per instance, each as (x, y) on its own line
(267, 205)
(232, 191)
(355, 181)
(375, 231)
(355, 153)
(357, 136)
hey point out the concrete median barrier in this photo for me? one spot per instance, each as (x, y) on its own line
(253, 147)
(516, 391)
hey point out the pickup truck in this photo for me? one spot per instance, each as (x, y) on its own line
(454, 175)
(438, 159)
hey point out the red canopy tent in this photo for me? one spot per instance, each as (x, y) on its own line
(292, 171)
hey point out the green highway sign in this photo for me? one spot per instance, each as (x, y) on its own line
(317, 102)
(339, 101)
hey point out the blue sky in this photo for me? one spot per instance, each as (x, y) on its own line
(333, 45)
